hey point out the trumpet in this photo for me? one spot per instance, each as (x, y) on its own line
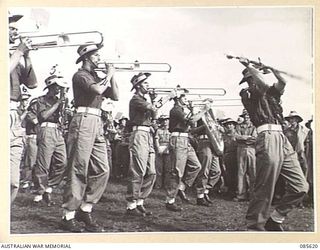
(136, 66)
(47, 41)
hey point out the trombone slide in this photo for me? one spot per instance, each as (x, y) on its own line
(136, 67)
(47, 41)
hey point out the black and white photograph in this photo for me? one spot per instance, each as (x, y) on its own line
(161, 120)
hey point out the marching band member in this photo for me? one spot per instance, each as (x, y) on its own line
(210, 172)
(51, 155)
(19, 74)
(88, 169)
(142, 173)
(184, 164)
(274, 153)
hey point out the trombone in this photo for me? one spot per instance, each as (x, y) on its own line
(47, 41)
(136, 66)
(190, 91)
(227, 102)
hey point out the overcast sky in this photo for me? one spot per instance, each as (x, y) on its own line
(193, 41)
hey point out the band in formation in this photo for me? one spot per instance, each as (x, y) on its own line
(263, 157)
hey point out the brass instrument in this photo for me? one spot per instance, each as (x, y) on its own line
(212, 127)
(136, 66)
(168, 96)
(47, 41)
(226, 102)
(191, 91)
(213, 132)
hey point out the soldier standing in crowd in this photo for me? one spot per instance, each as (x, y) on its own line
(184, 164)
(122, 154)
(230, 155)
(142, 173)
(297, 135)
(274, 153)
(109, 131)
(88, 169)
(246, 158)
(19, 74)
(51, 155)
(162, 138)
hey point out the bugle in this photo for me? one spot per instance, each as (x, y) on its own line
(47, 41)
(136, 66)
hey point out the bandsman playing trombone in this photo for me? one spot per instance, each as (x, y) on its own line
(51, 159)
(184, 164)
(142, 173)
(88, 169)
(19, 74)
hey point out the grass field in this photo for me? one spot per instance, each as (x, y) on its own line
(222, 215)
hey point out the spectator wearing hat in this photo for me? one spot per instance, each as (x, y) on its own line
(19, 73)
(297, 135)
(246, 158)
(142, 173)
(51, 155)
(184, 164)
(88, 169)
(122, 156)
(162, 138)
(230, 155)
(274, 153)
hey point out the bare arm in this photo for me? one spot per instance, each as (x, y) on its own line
(48, 112)
(29, 75)
(102, 86)
(280, 85)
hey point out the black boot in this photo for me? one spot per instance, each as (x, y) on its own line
(271, 225)
(90, 224)
(173, 207)
(71, 226)
(202, 202)
(134, 212)
(47, 199)
(207, 198)
(143, 210)
(183, 196)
